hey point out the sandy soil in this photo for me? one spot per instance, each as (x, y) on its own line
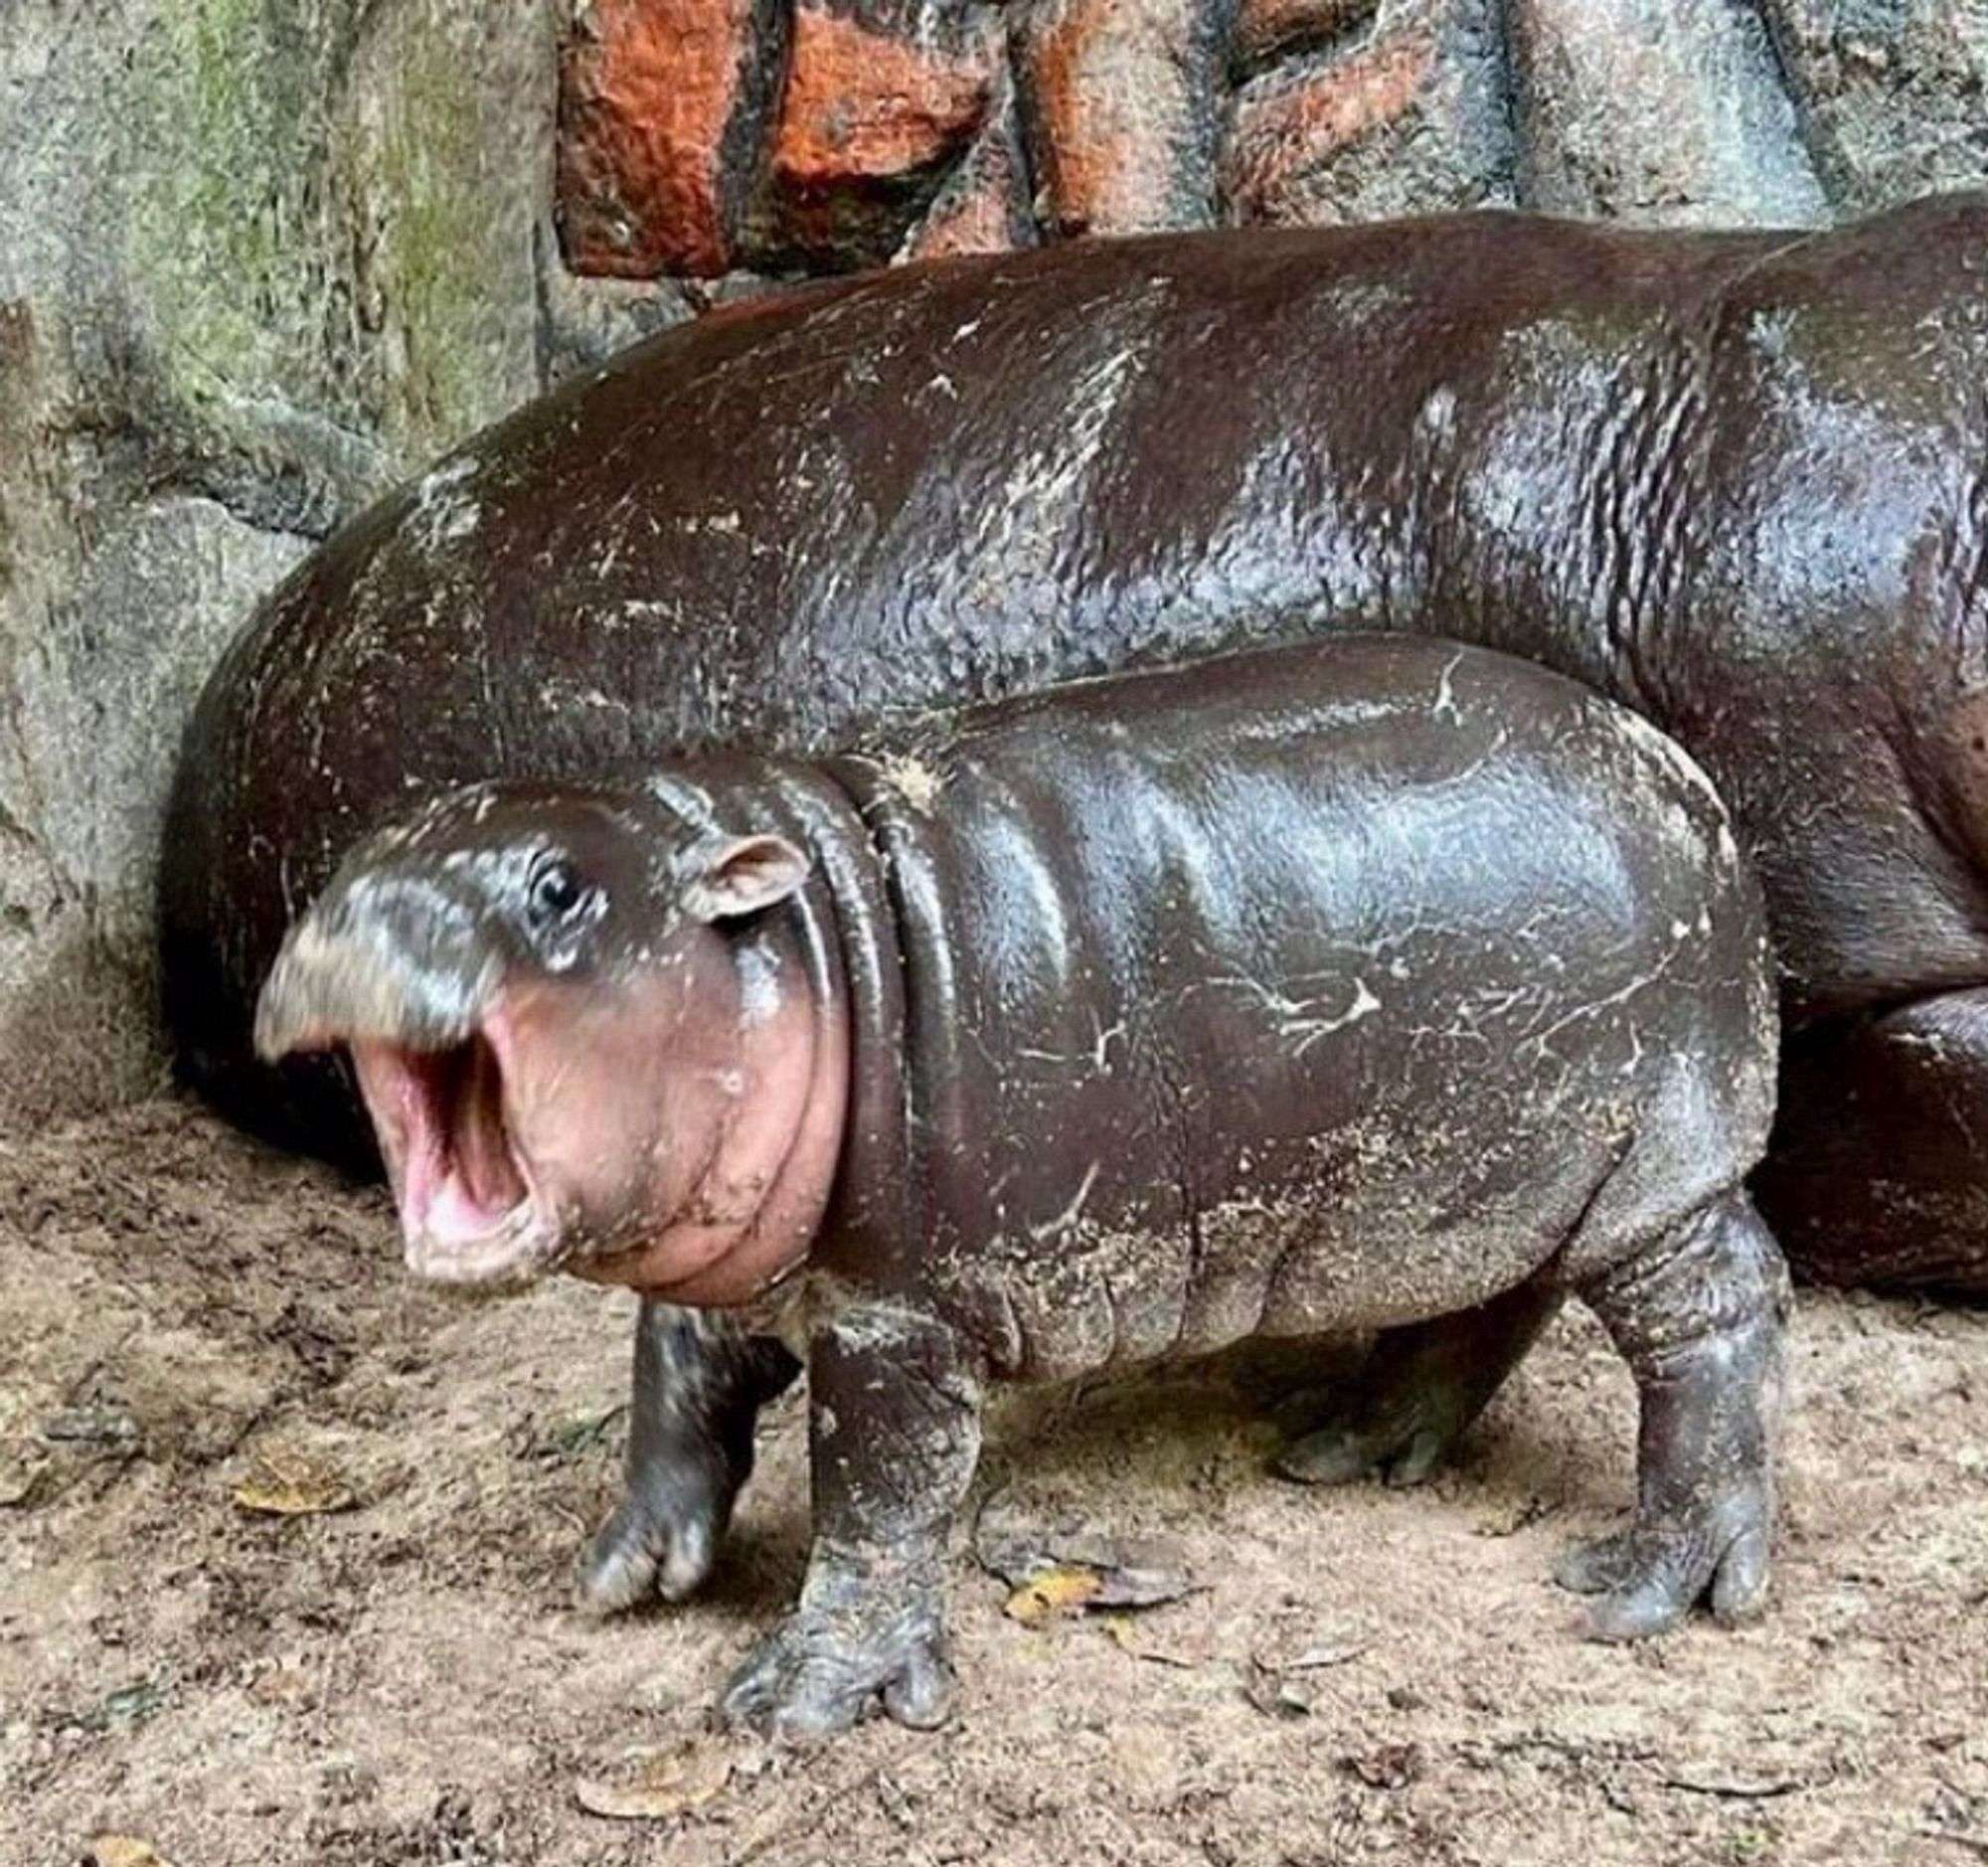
(189, 1321)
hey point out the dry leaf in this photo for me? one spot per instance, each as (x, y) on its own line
(127, 1706)
(125, 1850)
(1390, 1766)
(1130, 1572)
(289, 1484)
(21, 1481)
(1516, 1516)
(1276, 1694)
(665, 1781)
(1312, 1648)
(283, 1687)
(1055, 1592)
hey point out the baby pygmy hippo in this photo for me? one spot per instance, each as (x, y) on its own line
(1337, 987)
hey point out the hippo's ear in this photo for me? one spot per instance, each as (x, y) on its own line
(727, 876)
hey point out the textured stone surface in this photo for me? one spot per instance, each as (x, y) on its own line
(1125, 112)
(1892, 95)
(662, 106)
(1414, 119)
(584, 321)
(890, 138)
(877, 103)
(1658, 111)
(984, 205)
(257, 259)
(1269, 29)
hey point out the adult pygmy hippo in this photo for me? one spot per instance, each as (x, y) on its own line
(1339, 987)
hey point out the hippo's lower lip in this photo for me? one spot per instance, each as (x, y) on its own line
(469, 1211)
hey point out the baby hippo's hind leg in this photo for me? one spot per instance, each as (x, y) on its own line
(1699, 1316)
(1418, 1392)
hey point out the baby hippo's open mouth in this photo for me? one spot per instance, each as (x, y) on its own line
(469, 1210)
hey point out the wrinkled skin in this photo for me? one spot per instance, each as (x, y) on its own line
(1732, 479)
(1373, 983)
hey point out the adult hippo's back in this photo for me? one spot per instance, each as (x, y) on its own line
(1736, 480)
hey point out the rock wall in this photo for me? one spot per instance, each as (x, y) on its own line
(259, 258)
(697, 136)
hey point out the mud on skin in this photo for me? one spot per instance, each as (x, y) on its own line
(1368, 984)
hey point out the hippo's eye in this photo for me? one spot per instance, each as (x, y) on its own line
(556, 890)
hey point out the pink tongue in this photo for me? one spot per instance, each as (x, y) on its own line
(481, 1185)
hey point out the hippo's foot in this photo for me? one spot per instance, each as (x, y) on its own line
(699, 1387)
(1648, 1578)
(1418, 1392)
(663, 1537)
(1700, 1320)
(865, 1628)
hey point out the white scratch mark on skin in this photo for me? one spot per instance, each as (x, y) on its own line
(1070, 1213)
(444, 512)
(914, 781)
(1445, 707)
(1099, 1054)
(1094, 397)
(1670, 757)
(1538, 1043)
(1437, 416)
(1297, 1018)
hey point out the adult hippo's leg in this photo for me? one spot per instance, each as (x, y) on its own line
(1418, 1392)
(1879, 1170)
(700, 1383)
(1699, 1318)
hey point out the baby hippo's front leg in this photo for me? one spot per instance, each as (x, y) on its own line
(699, 1387)
(893, 1421)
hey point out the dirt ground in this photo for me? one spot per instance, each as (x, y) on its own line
(192, 1325)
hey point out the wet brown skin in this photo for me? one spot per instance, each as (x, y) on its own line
(1735, 481)
(1341, 987)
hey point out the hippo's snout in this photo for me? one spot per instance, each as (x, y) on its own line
(406, 972)
(406, 962)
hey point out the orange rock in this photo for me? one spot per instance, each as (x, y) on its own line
(862, 104)
(1127, 101)
(984, 205)
(1264, 28)
(661, 108)
(1287, 128)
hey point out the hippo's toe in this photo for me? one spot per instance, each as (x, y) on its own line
(1419, 1393)
(812, 1677)
(1362, 1443)
(1646, 1579)
(660, 1541)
